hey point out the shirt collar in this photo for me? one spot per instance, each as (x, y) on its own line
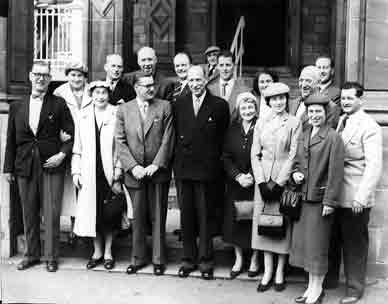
(141, 102)
(201, 98)
(324, 86)
(229, 82)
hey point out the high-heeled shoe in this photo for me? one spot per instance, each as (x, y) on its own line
(264, 287)
(319, 300)
(300, 299)
(235, 274)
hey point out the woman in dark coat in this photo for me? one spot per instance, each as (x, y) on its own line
(240, 182)
(319, 167)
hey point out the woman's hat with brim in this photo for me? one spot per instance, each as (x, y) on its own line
(317, 99)
(76, 66)
(276, 88)
(99, 84)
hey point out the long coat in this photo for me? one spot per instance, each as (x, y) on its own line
(363, 159)
(275, 141)
(123, 92)
(84, 163)
(69, 193)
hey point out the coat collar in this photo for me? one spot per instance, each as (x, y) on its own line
(351, 126)
(317, 138)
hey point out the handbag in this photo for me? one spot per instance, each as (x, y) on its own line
(271, 225)
(291, 201)
(244, 210)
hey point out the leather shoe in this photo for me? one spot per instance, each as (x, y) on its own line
(135, 268)
(207, 274)
(320, 298)
(159, 269)
(262, 288)
(184, 272)
(349, 300)
(234, 274)
(52, 266)
(300, 299)
(93, 263)
(109, 264)
(24, 264)
(279, 286)
(252, 274)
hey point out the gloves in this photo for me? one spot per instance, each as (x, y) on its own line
(277, 191)
(265, 192)
(270, 191)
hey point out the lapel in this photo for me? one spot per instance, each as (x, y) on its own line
(133, 112)
(204, 111)
(152, 107)
(320, 136)
(26, 114)
(349, 131)
(282, 122)
(44, 113)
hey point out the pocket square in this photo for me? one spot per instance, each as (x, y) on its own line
(210, 119)
(51, 116)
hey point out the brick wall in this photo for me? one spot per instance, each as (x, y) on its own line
(316, 29)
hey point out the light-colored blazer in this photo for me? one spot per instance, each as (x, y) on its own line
(274, 148)
(144, 143)
(363, 143)
(84, 163)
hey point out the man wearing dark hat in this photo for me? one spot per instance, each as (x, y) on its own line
(210, 67)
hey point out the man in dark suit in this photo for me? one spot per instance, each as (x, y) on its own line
(201, 120)
(35, 156)
(145, 139)
(147, 60)
(179, 85)
(210, 67)
(121, 91)
(326, 87)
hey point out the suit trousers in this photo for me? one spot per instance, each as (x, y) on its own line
(350, 240)
(196, 203)
(41, 190)
(149, 206)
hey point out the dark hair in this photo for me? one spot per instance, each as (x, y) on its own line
(226, 54)
(139, 75)
(354, 85)
(327, 57)
(273, 75)
(186, 54)
(267, 99)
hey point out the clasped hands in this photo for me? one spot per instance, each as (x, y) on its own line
(139, 172)
(270, 191)
(245, 180)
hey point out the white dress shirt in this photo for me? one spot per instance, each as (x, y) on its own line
(143, 107)
(228, 88)
(34, 115)
(197, 102)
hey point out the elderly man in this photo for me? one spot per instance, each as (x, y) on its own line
(309, 81)
(362, 138)
(35, 156)
(326, 87)
(210, 67)
(227, 86)
(201, 120)
(145, 138)
(179, 85)
(121, 91)
(147, 60)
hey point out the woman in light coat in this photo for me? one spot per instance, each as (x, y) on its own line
(96, 172)
(75, 93)
(272, 155)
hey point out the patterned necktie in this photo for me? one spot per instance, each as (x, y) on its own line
(177, 89)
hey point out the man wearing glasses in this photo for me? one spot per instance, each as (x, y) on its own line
(35, 158)
(145, 138)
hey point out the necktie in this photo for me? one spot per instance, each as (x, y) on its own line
(177, 89)
(211, 70)
(343, 124)
(197, 103)
(143, 110)
(223, 93)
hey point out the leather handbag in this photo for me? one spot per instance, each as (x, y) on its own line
(291, 201)
(244, 210)
(271, 225)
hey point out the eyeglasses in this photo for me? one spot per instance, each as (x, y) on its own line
(146, 85)
(40, 75)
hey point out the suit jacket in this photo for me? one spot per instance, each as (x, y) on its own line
(334, 112)
(144, 143)
(199, 138)
(161, 83)
(363, 142)
(21, 141)
(212, 77)
(333, 92)
(174, 85)
(321, 160)
(123, 91)
(214, 88)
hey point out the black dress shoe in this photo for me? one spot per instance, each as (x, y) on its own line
(252, 274)
(184, 272)
(52, 266)
(349, 300)
(235, 274)
(159, 269)
(24, 264)
(279, 286)
(320, 298)
(264, 287)
(300, 299)
(109, 264)
(93, 263)
(207, 274)
(135, 268)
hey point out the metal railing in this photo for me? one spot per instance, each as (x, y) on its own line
(237, 47)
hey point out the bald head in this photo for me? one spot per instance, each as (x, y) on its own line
(146, 59)
(308, 80)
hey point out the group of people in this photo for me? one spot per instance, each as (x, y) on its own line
(98, 152)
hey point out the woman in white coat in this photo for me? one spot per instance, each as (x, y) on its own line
(96, 173)
(76, 95)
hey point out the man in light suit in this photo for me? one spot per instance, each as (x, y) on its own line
(362, 138)
(227, 86)
(201, 120)
(325, 65)
(35, 156)
(309, 81)
(145, 139)
(179, 84)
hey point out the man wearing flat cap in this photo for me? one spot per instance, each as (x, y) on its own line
(309, 81)
(210, 67)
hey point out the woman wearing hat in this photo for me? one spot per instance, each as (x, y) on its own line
(273, 151)
(319, 168)
(96, 173)
(240, 182)
(75, 93)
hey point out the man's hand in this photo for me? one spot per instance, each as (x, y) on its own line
(55, 160)
(151, 169)
(357, 207)
(117, 187)
(298, 177)
(63, 136)
(77, 181)
(327, 210)
(9, 177)
(245, 180)
(138, 172)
